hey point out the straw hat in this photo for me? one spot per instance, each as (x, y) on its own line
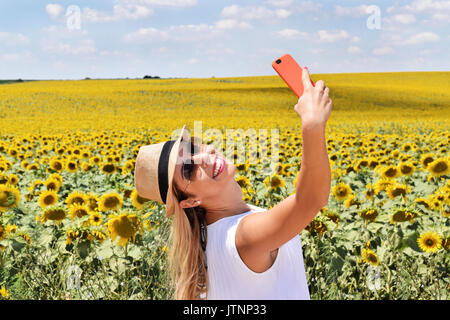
(154, 170)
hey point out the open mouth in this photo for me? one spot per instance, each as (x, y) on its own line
(219, 164)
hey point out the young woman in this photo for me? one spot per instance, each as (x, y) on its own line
(222, 247)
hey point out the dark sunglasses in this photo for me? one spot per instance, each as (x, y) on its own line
(188, 165)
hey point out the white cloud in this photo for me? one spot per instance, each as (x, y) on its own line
(179, 33)
(254, 13)
(292, 34)
(428, 5)
(54, 10)
(82, 47)
(279, 3)
(17, 56)
(405, 18)
(232, 24)
(354, 50)
(357, 12)
(162, 3)
(13, 39)
(421, 37)
(120, 12)
(132, 9)
(332, 35)
(147, 34)
(383, 51)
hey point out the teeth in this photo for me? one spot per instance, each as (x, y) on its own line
(216, 170)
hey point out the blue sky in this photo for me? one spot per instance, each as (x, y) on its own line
(221, 38)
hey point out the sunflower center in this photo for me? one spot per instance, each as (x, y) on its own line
(391, 172)
(49, 199)
(429, 242)
(440, 167)
(58, 214)
(57, 165)
(111, 202)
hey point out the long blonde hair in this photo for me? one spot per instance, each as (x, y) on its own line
(187, 260)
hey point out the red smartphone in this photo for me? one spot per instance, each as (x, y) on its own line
(289, 70)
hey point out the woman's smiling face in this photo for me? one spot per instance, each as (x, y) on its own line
(209, 172)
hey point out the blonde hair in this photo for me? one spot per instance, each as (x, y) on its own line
(186, 260)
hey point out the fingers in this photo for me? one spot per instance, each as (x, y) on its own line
(305, 78)
(326, 91)
(320, 85)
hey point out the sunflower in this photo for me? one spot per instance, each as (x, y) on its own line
(13, 179)
(402, 215)
(275, 181)
(389, 172)
(56, 176)
(363, 163)
(426, 159)
(423, 201)
(129, 165)
(108, 167)
(316, 227)
(78, 210)
(369, 214)
(2, 232)
(370, 191)
(76, 197)
(341, 191)
(446, 244)
(48, 198)
(86, 166)
(72, 166)
(125, 226)
(382, 185)
(52, 184)
(98, 235)
(56, 164)
(54, 213)
(406, 168)
(92, 201)
(333, 217)
(396, 190)
(439, 167)
(110, 201)
(95, 160)
(9, 197)
(95, 218)
(4, 293)
(243, 181)
(136, 200)
(32, 166)
(350, 201)
(429, 242)
(369, 256)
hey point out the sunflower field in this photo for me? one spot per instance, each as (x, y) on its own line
(73, 227)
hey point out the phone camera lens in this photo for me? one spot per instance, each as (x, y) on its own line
(278, 61)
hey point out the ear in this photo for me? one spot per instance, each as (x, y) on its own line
(189, 203)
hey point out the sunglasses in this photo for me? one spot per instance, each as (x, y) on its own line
(188, 165)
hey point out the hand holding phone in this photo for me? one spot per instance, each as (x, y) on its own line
(314, 106)
(289, 70)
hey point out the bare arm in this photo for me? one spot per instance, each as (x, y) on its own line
(262, 232)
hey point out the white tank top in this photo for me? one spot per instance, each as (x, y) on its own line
(229, 277)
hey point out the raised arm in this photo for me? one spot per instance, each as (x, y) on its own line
(262, 232)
